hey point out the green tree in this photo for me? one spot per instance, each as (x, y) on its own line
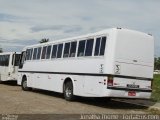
(157, 63)
(43, 40)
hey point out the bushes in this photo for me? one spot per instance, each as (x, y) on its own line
(156, 88)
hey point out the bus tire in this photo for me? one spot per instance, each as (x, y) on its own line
(24, 84)
(68, 91)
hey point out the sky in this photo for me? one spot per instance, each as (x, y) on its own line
(26, 22)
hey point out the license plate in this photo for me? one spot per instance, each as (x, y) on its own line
(131, 93)
(132, 86)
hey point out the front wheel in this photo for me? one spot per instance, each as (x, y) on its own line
(68, 91)
(24, 85)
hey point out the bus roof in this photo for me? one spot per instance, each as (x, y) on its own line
(4, 53)
(105, 31)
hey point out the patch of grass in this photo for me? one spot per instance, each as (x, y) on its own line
(156, 89)
(153, 111)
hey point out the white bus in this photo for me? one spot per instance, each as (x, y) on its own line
(9, 62)
(112, 63)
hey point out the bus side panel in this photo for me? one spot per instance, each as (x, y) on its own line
(14, 73)
(4, 73)
(54, 82)
(78, 84)
(94, 86)
(19, 80)
(51, 82)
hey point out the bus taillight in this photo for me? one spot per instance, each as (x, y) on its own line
(110, 81)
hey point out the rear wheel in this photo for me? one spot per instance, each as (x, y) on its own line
(68, 91)
(24, 85)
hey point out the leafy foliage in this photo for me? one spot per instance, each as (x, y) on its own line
(156, 88)
(157, 63)
(43, 40)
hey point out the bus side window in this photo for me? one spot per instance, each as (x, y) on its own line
(59, 52)
(0, 60)
(96, 52)
(34, 53)
(17, 59)
(39, 53)
(73, 49)
(27, 54)
(54, 51)
(48, 52)
(89, 47)
(6, 60)
(13, 57)
(81, 48)
(103, 44)
(43, 52)
(66, 50)
(22, 59)
(100, 46)
(31, 51)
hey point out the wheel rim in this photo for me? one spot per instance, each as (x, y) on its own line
(68, 92)
(25, 84)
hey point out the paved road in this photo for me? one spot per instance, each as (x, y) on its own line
(15, 101)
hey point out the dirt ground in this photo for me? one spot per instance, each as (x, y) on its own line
(15, 101)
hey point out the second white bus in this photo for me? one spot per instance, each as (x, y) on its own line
(9, 62)
(112, 63)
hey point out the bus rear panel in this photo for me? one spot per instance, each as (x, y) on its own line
(133, 65)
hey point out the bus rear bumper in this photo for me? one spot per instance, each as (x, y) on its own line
(129, 93)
